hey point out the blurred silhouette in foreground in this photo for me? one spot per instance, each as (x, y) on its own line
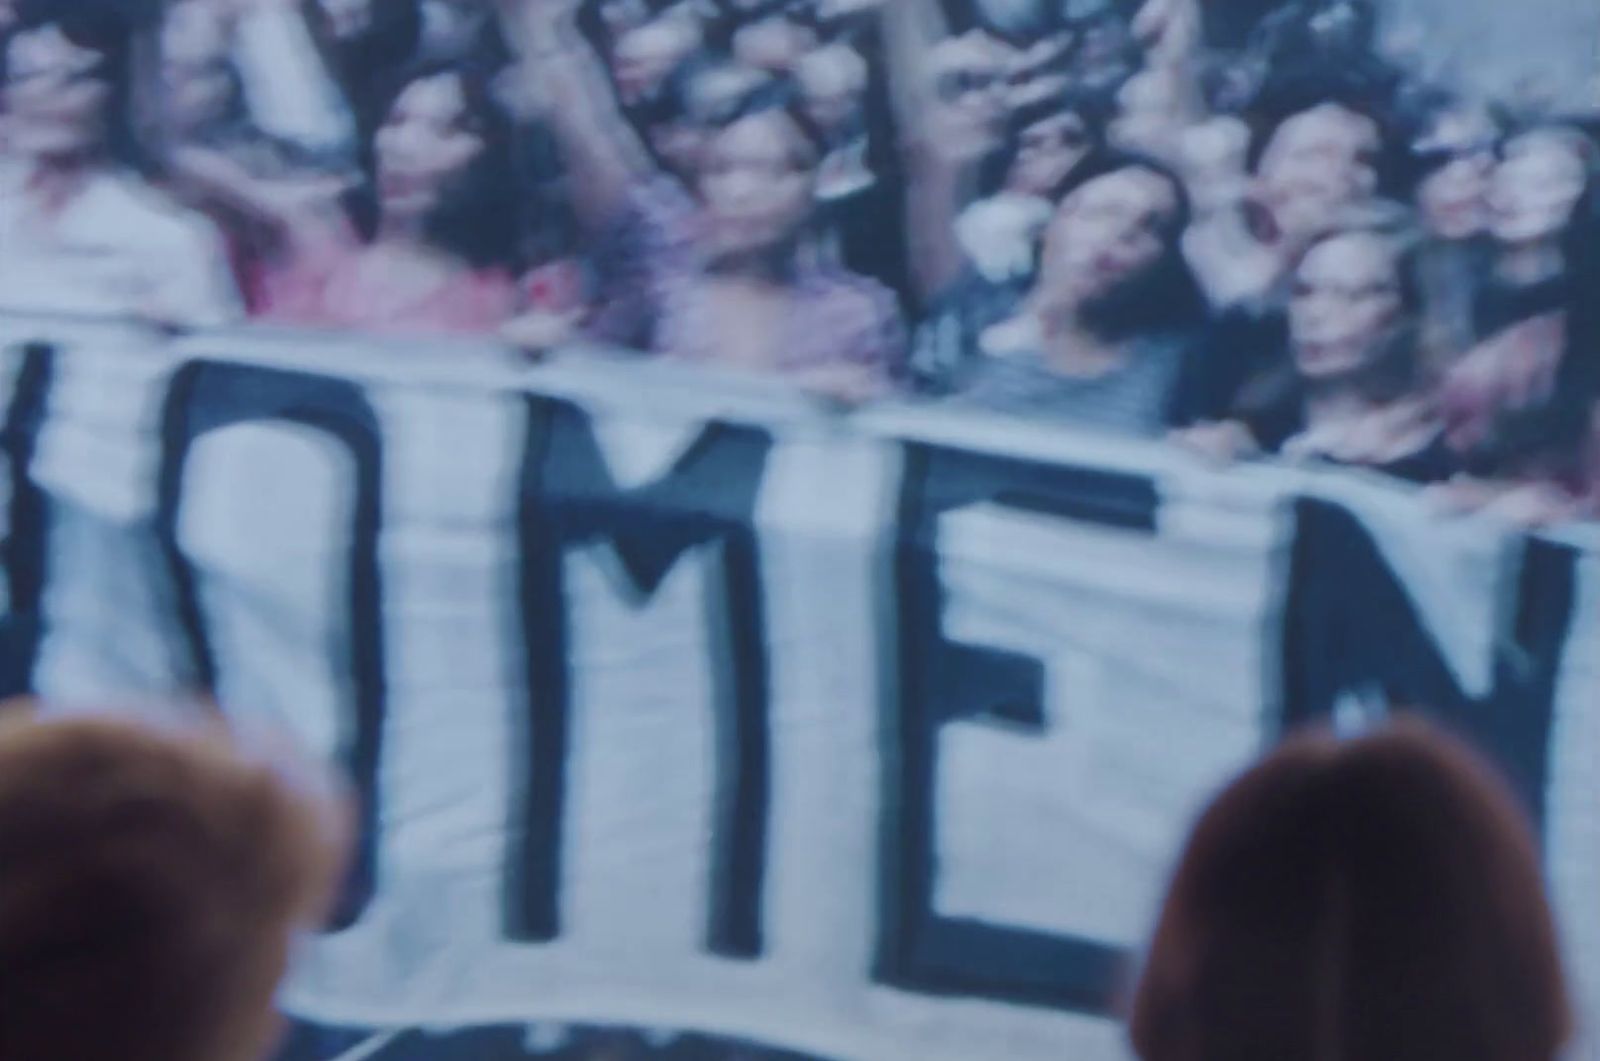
(1376, 898)
(153, 881)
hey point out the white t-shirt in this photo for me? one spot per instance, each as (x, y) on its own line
(118, 248)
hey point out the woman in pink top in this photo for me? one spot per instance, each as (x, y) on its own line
(422, 244)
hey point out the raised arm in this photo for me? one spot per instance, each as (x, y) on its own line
(559, 79)
(290, 92)
(943, 140)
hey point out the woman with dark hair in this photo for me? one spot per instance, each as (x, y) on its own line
(1518, 406)
(1103, 337)
(426, 243)
(80, 229)
(1354, 389)
(1366, 899)
(1450, 161)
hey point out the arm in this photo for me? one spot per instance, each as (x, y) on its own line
(561, 81)
(942, 146)
(290, 93)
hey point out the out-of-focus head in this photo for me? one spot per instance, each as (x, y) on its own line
(1048, 142)
(645, 55)
(1541, 179)
(1110, 230)
(428, 140)
(969, 80)
(348, 19)
(154, 881)
(832, 81)
(1353, 293)
(1315, 163)
(441, 163)
(1455, 156)
(64, 80)
(758, 177)
(692, 101)
(775, 44)
(197, 83)
(1378, 898)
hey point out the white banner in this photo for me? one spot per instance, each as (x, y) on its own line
(678, 702)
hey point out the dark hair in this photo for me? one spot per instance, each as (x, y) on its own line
(776, 96)
(1163, 298)
(1289, 95)
(476, 216)
(1091, 107)
(1376, 898)
(152, 882)
(109, 28)
(366, 63)
(1555, 429)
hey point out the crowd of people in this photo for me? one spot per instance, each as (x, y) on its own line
(1366, 898)
(1257, 228)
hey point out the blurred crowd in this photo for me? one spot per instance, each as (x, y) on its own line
(1260, 227)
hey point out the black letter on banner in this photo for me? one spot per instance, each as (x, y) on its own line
(1351, 625)
(208, 396)
(23, 547)
(569, 499)
(943, 681)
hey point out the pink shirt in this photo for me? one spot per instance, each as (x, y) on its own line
(336, 284)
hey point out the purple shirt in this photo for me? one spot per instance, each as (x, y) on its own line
(652, 295)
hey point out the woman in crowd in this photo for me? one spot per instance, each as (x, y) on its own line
(1104, 336)
(154, 883)
(1376, 898)
(1354, 389)
(743, 295)
(424, 244)
(1452, 157)
(1519, 405)
(80, 229)
(715, 253)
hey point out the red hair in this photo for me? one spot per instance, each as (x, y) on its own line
(1355, 901)
(151, 882)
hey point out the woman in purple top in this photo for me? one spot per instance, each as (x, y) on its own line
(705, 218)
(742, 293)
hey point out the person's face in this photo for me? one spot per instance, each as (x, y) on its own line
(646, 55)
(1107, 232)
(54, 96)
(772, 44)
(832, 81)
(757, 184)
(347, 18)
(195, 82)
(968, 79)
(1345, 303)
(1317, 162)
(1534, 190)
(1047, 152)
(425, 143)
(1453, 199)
